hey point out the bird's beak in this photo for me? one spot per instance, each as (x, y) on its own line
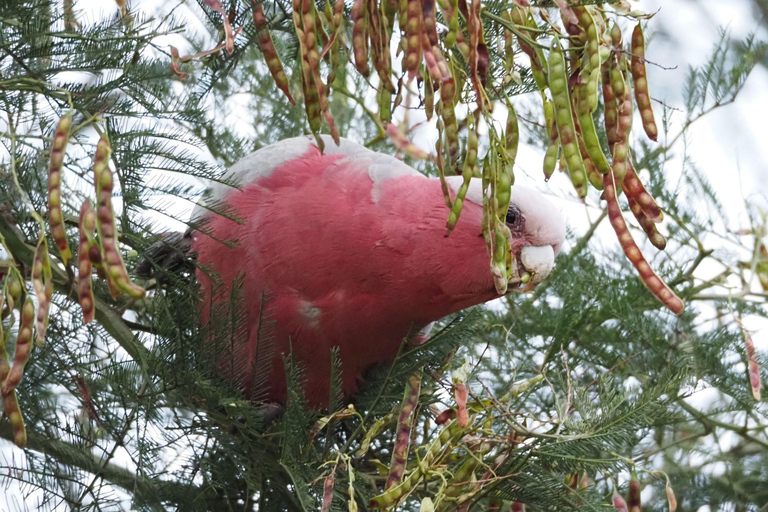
(538, 261)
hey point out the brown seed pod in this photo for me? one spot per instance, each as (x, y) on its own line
(55, 215)
(461, 393)
(652, 281)
(403, 435)
(359, 16)
(229, 35)
(634, 188)
(640, 78)
(611, 111)
(268, 49)
(621, 147)
(328, 484)
(656, 238)
(23, 347)
(313, 58)
(413, 33)
(752, 367)
(619, 503)
(671, 499)
(84, 266)
(105, 224)
(42, 282)
(380, 36)
(633, 494)
(13, 411)
(479, 58)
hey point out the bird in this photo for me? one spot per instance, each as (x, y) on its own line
(346, 249)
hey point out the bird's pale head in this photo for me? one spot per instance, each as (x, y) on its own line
(537, 226)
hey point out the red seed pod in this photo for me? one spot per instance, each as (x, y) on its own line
(634, 188)
(268, 49)
(42, 282)
(84, 266)
(656, 238)
(640, 78)
(402, 143)
(752, 367)
(359, 16)
(445, 416)
(652, 281)
(518, 507)
(413, 33)
(176, 64)
(116, 272)
(13, 411)
(618, 501)
(55, 215)
(229, 35)
(611, 111)
(403, 435)
(328, 491)
(633, 494)
(23, 347)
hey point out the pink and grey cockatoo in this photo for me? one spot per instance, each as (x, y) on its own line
(350, 247)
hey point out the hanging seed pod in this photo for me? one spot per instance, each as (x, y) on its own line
(42, 282)
(634, 188)
(268, 49)
(521, 18)
(435, 451)
(621, 147)
(23, 347)
(403, 435)
(440, 160)
(84, 267)
(649, 227)
(13, 411)
(433, 56)
(413, 42)
(470, 163)
(380, 36)
(595, 178)
(461, 393)
(359, 16)
(618, 501)
(589, 132)
(671, 499)
(402, 143)
(592, 63)
(55, 215)
(450, 10)
(752, 367)
(558, 84)
(550, 159)
(229, 35)
(611, 111)
(652, 281)
(640, 78)
(105, 224)
(429, 97)
(479, 58)
(511, 137)
(312, 57)
(328, 491)
(633, 494)
(311, 96)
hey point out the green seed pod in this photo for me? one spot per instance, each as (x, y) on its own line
(84, 265)
(512, 133)
(451, 131)
(550, 159)
(116, 272)
(470, 162)
(589, 132)
(42, 282)
(522, 18)
(621, 148)
(651, 280)
(55, 215)
(640, 79)
(558, 84)
(13, 411)
(403, 435)
(268, 49)
(23, 347)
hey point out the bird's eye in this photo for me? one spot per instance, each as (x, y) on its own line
(511, 216)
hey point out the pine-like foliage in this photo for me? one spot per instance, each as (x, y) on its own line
(571, 387)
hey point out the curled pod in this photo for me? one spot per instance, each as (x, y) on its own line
(84, 264)
(55, 215)
(468, 171)
(634, 188)
(42, 282)
(23, 347)
(117, 274)
(558, 84)
(652, 281)
(264, 38)
(648, 226)
(403, 433)
(640, 79)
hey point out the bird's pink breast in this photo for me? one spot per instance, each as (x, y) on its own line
(347, 261)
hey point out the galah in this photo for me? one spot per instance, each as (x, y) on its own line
(349, 249)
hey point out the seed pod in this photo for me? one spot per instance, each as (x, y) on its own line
(640, 78)
(229, 35)
(589, 132)
(312, 57)
(23, 347)
(403, 435)
(550, 159)
(105, 224)
(652, 281)
(413, 32)
(268, 49)
(358, 14)
(479, 58)
(512, 134)
(328, 491)
(84, 267)
(451, 131)
(594, 177)
(611, 111)
(13, 411)
(521, 17)
(592, 63)
(633, 494)
(752, 367)
(380, 37)
(618, 501)
(656, 238)
(55, 215)
(634, 188)
(470, 163)
(671, 499)
(402, 143)
(450, 10)
(42, 282)
(621, 148)
(558, 84)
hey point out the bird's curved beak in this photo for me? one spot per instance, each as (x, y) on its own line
(538, 261)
